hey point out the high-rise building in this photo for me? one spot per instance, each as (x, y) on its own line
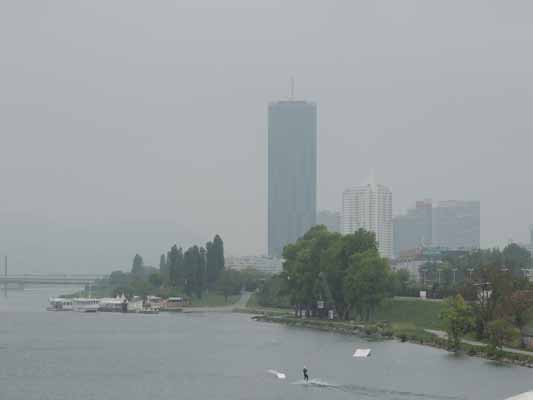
(456, 224)
(330, 219)
(414, 229)
(369, 207)
(292, 152)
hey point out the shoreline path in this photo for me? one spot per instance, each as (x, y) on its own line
(444, 335)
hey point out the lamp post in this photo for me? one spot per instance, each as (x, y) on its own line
(454, 271)
(526, 271)
(470, 270)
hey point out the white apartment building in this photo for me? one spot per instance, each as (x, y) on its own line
(369, 207)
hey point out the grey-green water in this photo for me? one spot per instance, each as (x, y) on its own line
(54, 355)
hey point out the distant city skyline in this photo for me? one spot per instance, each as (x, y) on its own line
(452, 224)
(151, 130)
(457, 224)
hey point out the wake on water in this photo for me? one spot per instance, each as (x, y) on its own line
(371, 392)
(315, 382)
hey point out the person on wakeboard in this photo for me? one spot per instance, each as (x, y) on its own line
(306, 377)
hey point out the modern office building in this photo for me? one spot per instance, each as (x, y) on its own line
(330, 219)
(292, 170)
(456, 224)
(369, 207)
(414, 229)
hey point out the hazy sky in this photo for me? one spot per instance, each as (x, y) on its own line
(127, 126)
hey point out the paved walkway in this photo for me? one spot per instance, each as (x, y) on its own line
(444, 335)
(229, 308)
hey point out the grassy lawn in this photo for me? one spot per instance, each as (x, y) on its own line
(411, 313)
(214, 299)
(404, 314)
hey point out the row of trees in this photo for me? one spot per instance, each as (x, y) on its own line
(197, 266)
(192, 272)
(344, 273)
(196, 269)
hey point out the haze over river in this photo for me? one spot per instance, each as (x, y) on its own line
(67, 355)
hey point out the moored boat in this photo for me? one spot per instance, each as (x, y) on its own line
(140, 306)
(174, 304)
(114, 304)
(59, 304)
(85, 304)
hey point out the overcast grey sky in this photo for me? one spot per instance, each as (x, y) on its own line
(126, 126)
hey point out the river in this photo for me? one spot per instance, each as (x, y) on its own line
(66, 355)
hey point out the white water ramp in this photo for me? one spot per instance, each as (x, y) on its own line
(362, 353)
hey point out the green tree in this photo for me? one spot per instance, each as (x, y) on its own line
(137, 268)
(175, 266)
(155, 279)
(367, 283)
(516, 258)
(493, 288)
(230, 283)
(201, 272)
(303, 263)
(273, 293)
(458, 319)
(118, 278)
(218, 253)
(316, 267)
(212, 269)
(520, 308)
(163, 269)
(501, 331)
(215, 263)
(338, 259)
(194, 268)
(400, 281)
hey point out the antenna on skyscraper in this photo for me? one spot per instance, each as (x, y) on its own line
(291, 88)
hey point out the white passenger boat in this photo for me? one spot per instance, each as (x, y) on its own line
(59, 304)
(139, 306)
(85, 305)
(114, 304)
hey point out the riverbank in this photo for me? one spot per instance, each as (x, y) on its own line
(402, 332)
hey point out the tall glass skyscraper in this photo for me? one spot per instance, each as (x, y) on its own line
(292, 169)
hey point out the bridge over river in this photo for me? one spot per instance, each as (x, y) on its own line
(49, 279)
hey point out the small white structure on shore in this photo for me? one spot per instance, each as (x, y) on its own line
(362, 353)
